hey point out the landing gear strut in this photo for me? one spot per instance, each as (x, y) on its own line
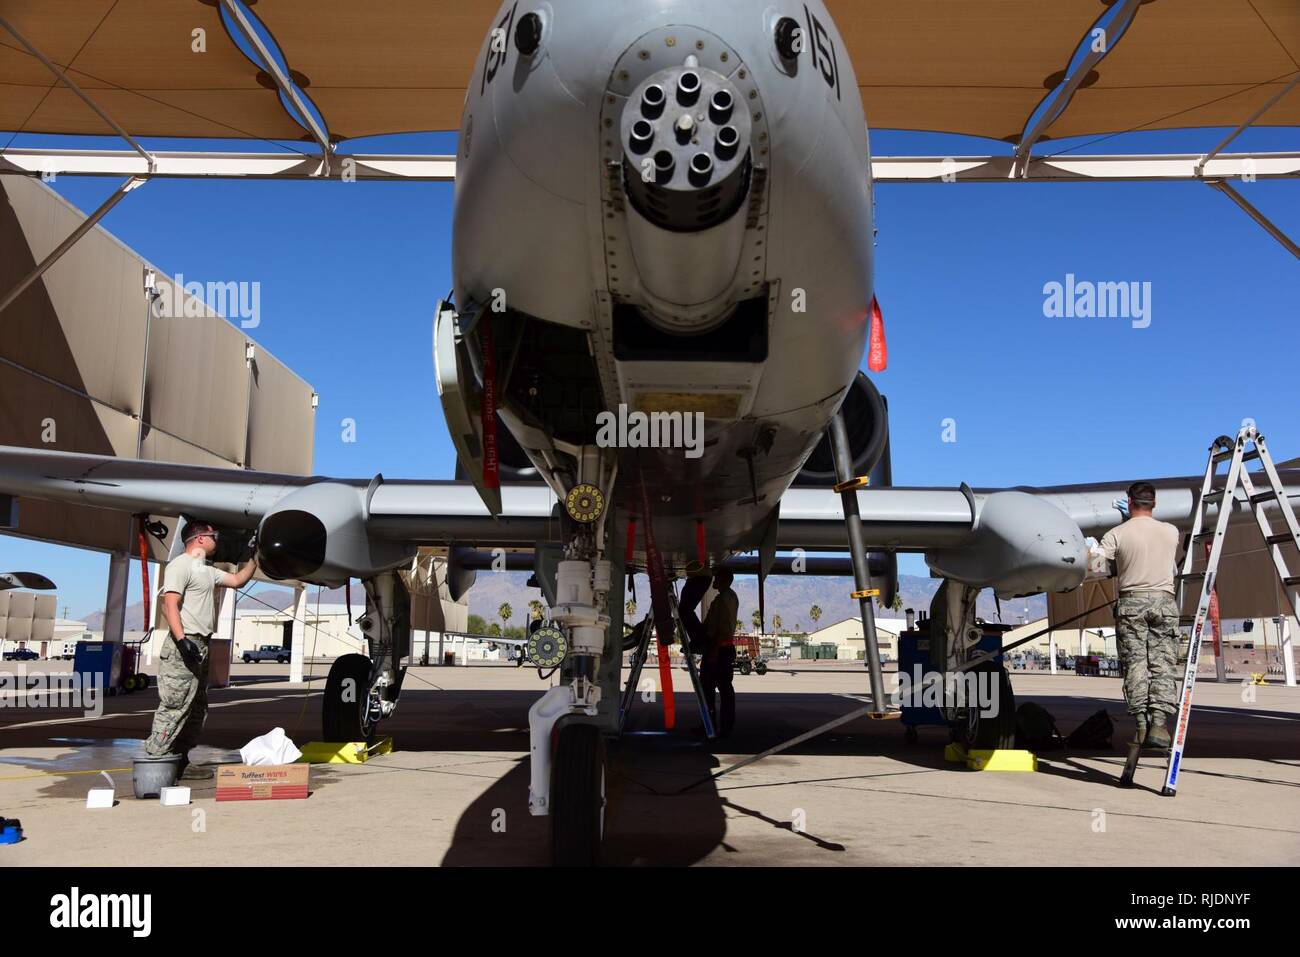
(362, 690)
(566, 750)
(955, 638)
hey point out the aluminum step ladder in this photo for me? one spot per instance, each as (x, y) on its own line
(1222, 498)
(639, 655)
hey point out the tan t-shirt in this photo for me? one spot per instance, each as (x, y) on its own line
(720, 622)
(1144, 550)
(195, 581)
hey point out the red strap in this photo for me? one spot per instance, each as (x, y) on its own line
(631, 543)
(700, 552)
(662, 611)
(877, 351)
(491, 462)
(144, 570)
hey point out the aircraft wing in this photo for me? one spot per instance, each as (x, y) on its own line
(982, 536)
(425, 512)
(917, 519)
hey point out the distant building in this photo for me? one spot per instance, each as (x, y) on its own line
(1068, 641)
(326, 630)
(846, 635)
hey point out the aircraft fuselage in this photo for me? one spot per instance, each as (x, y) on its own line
(667, 186)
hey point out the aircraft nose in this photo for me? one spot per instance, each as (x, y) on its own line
(686, 153)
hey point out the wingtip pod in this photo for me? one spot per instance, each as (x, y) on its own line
(1019, 545)
(877, 349)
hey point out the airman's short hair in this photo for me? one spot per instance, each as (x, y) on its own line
(1142, 494)
(194, 529)
(723, 579)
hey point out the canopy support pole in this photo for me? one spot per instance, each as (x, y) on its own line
(86, 226)
(1200, 167)
(63, 78)
(1060, 98)
(1269, 227)
(284, 82)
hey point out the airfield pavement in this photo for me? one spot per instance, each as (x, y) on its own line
(455, 789)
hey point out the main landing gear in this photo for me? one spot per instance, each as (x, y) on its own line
(362, 690)
(974, 723)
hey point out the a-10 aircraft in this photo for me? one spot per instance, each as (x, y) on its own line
(663, 267)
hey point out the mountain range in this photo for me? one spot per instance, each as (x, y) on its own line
(789, 596)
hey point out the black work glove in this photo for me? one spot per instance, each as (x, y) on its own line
(189, 649)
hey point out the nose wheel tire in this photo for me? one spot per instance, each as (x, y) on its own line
(578, 796)
(345, 714)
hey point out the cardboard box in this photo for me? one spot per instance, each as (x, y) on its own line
(262, 782)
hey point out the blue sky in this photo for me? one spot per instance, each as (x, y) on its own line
(350, 274)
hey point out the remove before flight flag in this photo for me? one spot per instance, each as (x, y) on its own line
(877, 351)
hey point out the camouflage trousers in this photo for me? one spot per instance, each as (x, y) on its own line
(182, 699)
(1146, 630)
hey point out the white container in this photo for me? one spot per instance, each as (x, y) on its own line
(177, 796)
(99, 797)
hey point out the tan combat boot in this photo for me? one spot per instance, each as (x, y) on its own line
(1140, 733)
(1157, 732)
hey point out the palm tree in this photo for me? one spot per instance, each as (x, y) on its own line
(897, 603)
(630, 608)
(757, 619)
(815, 613)
(535, 607)
(776, 623)
(505, 611)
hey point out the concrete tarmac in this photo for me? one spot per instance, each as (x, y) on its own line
(455, 790)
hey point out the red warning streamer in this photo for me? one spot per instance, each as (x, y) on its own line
(491, 462)
(144, 569)
(877, 350)
(662, 611)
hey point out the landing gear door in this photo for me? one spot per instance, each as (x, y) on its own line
(462, 401)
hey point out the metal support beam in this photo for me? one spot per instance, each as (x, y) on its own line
(86, 226)
(1256, 215)
(1117, 21)
(858, 551)
(115, 599)
(298, 630)
(1200, 167)
(67, 81)
(1169, 167)
(283, 81)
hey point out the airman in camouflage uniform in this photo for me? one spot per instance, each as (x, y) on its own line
(189, 607)
(182, 697)
(1142, 551)
(1146, 629)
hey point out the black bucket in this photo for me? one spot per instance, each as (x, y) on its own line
(149, 775)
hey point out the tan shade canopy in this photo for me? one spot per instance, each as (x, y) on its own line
(978, 67)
